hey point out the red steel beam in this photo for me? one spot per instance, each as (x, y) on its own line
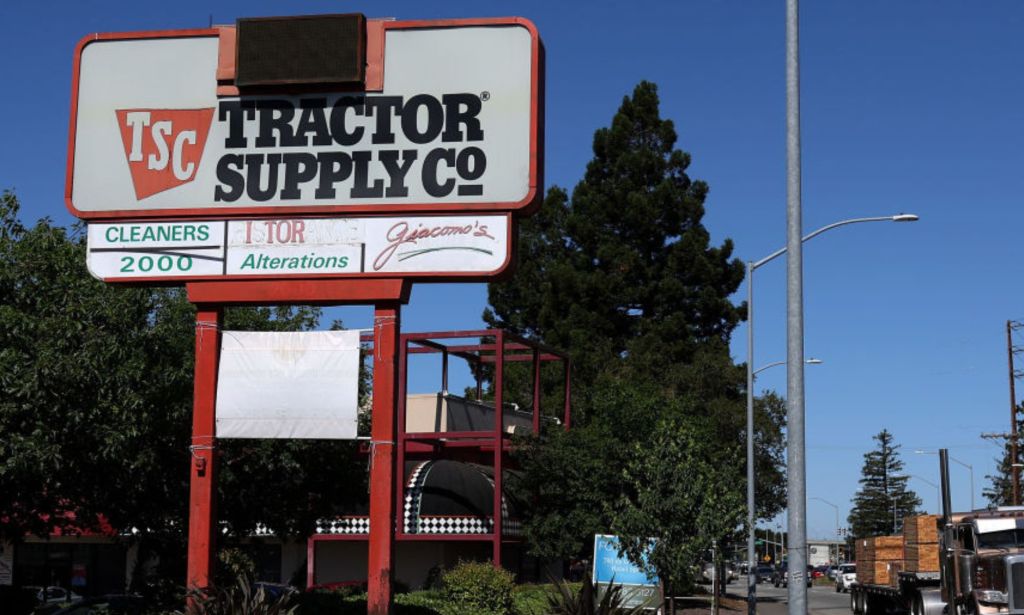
(306, 292)
(401, 436)
(310, 561)
(499, 434)
(386, 328)
(202, 519)
(536, 392)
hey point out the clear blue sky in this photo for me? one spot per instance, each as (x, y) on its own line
(914, 106)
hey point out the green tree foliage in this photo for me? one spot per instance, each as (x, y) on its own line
(682, 475)
(623, 275)
(883, 491)
(96, 404)
(572, 478)
(623, 272)
(80, 433)
(1000, 489)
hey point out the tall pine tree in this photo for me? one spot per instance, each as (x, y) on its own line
(624, 272)
(884, 499)
(623, 275)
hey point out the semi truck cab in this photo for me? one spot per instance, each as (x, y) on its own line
(983, 567)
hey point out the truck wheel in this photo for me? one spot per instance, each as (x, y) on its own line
(869, 605)
(918, 607)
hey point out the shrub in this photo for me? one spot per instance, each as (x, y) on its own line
(479, 588)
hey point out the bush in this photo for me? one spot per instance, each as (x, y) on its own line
(479, 588)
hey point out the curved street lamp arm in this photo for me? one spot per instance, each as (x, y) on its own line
(828, 227)
(764, 367)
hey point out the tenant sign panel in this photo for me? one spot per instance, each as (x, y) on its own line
(450, 247)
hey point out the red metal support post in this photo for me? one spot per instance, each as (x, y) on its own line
(310, 562)
(568, 393)
(499, 444)
(400, 439)
(386, 329)
(202, 518)
(536, 391)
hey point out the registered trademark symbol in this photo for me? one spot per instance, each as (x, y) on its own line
(485, 95)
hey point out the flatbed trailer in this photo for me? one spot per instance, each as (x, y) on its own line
(917, 593)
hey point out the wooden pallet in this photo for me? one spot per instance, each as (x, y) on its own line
(921, 540)
(879, 559)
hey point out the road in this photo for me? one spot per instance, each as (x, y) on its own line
(821, 600)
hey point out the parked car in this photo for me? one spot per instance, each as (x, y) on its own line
(764, 573)
(832, 572)
(708, 568)
(845, 577)
(54, 595)
(114, 604)
(819, 571)
(781, 579)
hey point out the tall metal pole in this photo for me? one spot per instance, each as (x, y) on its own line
(797, 480)
(1014, 468)
(752, 572)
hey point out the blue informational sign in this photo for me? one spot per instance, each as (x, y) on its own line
(609, 566)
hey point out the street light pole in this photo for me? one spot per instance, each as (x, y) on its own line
(751, 373)
(938, 493)
(969, 467)
(837, 523)
(751, 267)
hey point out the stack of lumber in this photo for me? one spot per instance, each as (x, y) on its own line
(921, 543)
(879, 559)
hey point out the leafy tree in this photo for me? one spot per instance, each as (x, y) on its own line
(573, 478)
(96, 403)
(681, 475)
(623, 275)
(883, 499)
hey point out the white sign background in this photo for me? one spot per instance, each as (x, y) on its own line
(491, 62)
(288, 385)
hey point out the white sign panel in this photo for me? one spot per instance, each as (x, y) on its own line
(288, 385)
(453, 128)
(147, 250)
(299, 247)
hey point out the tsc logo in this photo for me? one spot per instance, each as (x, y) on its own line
(163, 146)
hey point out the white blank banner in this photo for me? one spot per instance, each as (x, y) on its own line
(288, 385)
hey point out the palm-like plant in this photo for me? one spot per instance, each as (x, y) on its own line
(237, 599)
(564, 600)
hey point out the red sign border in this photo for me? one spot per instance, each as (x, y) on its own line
(526, 206)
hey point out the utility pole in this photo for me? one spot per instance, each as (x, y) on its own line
(1011, 326)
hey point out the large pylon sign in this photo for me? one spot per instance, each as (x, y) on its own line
(444, 118)
(327, 159)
